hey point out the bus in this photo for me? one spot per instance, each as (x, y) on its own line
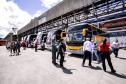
(77, 34)
(23, 39)
(54, 34)
(41, 39)
(30, 39)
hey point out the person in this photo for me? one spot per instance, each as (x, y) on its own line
(62, 49)
(95, 50)
(11, 47)
(24, 45)
(18, 46)
(87, 49)
(44, 39)
(14, 48)
(57, 56)
(8, 45)
(36, 44)
(104, 49)
(54, 50)
(115, 47)
(43, 43)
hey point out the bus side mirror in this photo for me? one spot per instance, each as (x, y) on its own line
(63, 34)
(84, 32)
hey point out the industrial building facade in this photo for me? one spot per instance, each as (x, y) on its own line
(109, 14)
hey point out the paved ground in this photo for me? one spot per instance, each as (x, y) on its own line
(35, 68)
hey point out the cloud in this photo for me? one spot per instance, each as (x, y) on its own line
(3, 33)
(38, 13)
(49, 3)
(11, 16)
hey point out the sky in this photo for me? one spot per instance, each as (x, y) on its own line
(17, 13)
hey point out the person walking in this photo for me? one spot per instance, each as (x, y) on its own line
(43, 43)
(62, 49)
(24, 45)
(14, 47)
(18, 46)
(57, 55)
(36, 44)
(115, 47)
(54, 50)
(95, 50)
(87, 49)
(11, 47)
(104, 49)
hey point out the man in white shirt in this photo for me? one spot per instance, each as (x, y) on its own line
(115, 47)
(87, 48)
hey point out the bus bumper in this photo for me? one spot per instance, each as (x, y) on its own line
(75, 51)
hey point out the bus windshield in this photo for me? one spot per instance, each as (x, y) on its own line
(75, 36)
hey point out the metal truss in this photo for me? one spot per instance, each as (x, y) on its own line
(95, 10)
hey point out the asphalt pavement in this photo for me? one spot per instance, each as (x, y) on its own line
(32, 67)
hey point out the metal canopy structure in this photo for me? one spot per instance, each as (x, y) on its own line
(61, 17)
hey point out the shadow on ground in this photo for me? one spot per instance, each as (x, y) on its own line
(81, 56)
(118, 75)
(121, 58)
(12, 55)
(93, 67)
(67, 71)
(96, 68)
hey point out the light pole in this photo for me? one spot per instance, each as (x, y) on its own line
(14, 30)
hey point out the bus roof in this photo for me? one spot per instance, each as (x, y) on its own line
(84, 25)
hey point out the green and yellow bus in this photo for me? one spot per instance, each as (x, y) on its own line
(77, 34)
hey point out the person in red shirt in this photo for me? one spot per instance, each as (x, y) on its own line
(104, 48)
(24, 45)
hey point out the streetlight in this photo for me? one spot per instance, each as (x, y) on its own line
(14, 30)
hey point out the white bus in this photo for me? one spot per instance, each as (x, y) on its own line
(41, 39)
(30, 39)
(56, 34)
